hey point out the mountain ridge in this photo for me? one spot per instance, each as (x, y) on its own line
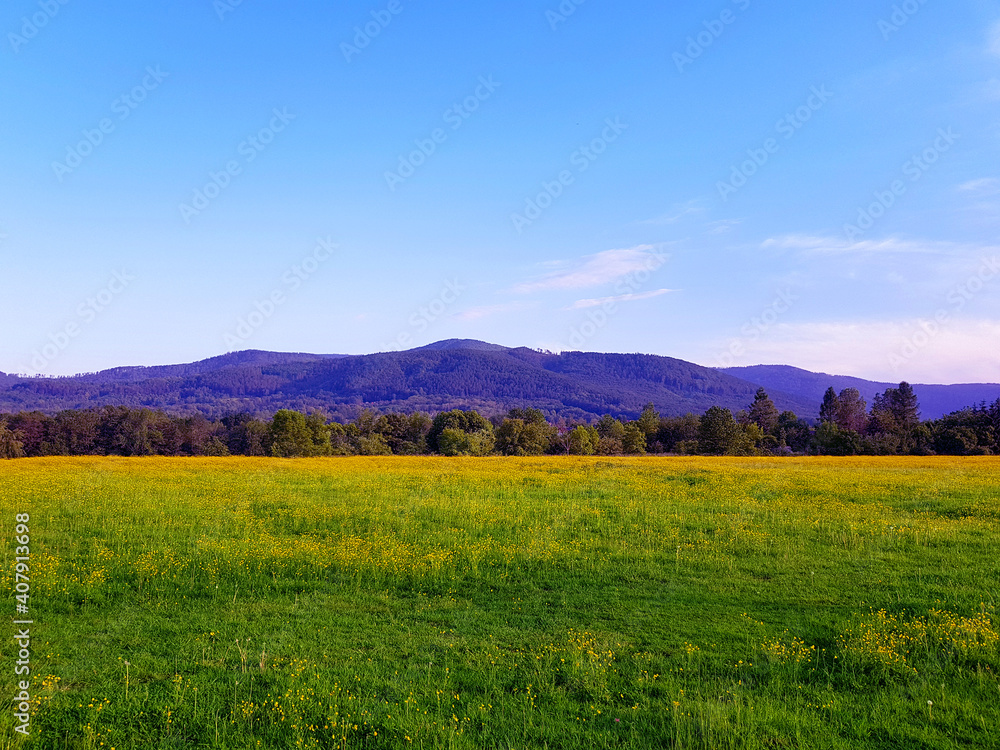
(454, 373)
(440, 376)
(935, 400)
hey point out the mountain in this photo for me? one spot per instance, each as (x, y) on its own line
(457, 373)
(448, 344)
(935, 400)
(234, 359)
(445, 375)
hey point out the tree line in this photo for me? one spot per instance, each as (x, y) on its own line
(845, 426)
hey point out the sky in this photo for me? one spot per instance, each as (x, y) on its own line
(729, 182)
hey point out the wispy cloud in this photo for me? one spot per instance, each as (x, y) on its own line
(677, 212)
(595, 270)
(983, 186)
(994, 39)
(486, 311)
(723, 226)
(583, 304)
(800, 242)
(819, 245)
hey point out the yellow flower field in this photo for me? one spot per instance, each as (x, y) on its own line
(501, 602)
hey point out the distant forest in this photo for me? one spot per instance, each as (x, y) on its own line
(845, 426)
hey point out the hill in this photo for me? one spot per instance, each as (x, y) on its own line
(446, 375)
(457, 373)
(935, 400)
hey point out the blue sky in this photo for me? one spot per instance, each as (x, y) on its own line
(727, 182)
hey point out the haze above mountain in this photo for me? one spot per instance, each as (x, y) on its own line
(456, 373)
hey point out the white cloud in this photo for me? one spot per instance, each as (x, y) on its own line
(596, 270)
(677, 212)
(817, 245)
(800, 242)
(723, 226)
(994, 39)
(957, 351)
(982, 186)
(583, 304)
(486, 311)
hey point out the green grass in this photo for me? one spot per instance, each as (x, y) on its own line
(507, 603)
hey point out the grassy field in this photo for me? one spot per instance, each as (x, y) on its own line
(506, 603)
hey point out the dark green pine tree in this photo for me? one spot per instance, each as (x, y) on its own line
(763, 413)
(904, 406)
(830, 408)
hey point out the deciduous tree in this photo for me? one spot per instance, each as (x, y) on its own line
(10, 446)
(718, 431)
(852, 411)
(583, 440)
(478, 431)
(290, 435)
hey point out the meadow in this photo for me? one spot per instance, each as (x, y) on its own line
(506, 603)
